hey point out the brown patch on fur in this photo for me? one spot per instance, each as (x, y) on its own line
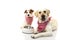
(25, 11)
(31, 11)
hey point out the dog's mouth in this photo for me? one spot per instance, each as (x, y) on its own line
(43, 18)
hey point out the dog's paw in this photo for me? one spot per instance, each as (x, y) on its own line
(35, 33)
(33, 37)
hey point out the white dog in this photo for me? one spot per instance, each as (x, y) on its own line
(46, 24)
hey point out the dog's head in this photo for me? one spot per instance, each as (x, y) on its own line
(42, 15)
(29, 13)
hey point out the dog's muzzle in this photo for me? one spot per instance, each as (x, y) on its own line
(43, 17)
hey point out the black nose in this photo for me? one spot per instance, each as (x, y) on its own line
(28, 14)
(43, 17)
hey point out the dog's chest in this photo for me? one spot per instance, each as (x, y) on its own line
(42, 26)
(29, 20)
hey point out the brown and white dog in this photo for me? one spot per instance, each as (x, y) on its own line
(28, 18)
(45, 24)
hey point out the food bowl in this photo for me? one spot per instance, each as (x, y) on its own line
(28, 29)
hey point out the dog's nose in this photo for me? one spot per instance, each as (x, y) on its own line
(43, 16)
(28, 14)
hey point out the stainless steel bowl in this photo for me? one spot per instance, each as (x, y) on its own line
(28, 30)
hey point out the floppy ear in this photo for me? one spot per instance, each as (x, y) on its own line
(36, 13)
(48, 12)
(25, 11)
(31, 10)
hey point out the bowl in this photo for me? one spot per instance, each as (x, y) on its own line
(28, 30)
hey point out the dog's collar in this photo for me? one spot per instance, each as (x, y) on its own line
(42, 26)
(29, 20)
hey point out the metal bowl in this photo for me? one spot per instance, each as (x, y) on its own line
(27, 30)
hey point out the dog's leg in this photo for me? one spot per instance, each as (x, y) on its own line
(44, 34)
(47, 33)
(23, 24)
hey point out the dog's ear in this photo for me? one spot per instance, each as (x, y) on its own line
(48, 12)
(25, 11)
(36, 13)
(31, 11)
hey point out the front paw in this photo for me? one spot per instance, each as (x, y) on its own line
(33, 36)
(36, 33)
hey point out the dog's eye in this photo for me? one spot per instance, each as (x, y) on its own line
(44, 11)
(39, 12)
(25, 11)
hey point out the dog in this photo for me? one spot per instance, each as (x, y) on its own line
(28, 18)
(46, 24)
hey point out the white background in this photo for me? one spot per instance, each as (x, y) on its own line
(12, 16)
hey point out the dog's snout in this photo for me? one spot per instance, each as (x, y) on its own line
(28, 14)
(43, 17)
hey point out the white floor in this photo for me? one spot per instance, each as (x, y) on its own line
(28, 37)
